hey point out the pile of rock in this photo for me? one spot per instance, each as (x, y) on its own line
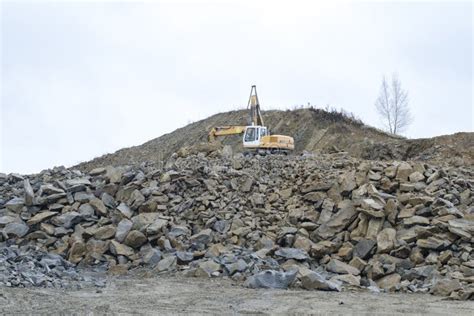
(319, 222)
(27, 266)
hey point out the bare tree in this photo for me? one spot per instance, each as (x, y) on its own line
(392, 106)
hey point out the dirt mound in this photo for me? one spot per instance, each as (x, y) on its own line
(314, 130)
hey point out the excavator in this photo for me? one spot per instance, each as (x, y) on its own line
(256, 136)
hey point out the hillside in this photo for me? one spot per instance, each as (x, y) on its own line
(314, 130)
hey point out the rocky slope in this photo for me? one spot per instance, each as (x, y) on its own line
(314, 130)
(326, 221)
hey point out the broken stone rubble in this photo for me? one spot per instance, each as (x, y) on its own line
(335, 220)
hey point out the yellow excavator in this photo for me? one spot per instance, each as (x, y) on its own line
(256, 135)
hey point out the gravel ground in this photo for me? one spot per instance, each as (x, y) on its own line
(178, 295)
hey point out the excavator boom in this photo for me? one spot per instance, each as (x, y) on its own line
(255, 113)
(224, 131)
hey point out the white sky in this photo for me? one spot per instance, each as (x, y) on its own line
(82, 79)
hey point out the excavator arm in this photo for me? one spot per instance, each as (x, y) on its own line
(255, 113)
(224, 131)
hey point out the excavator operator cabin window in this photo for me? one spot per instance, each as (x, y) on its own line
(250, 135)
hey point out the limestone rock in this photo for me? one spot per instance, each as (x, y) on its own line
(340, 267)
(386, 240)
(121, 249)
(404, 171)
(315, 281)
(40, 217)
(416, 176)
(77, 252)
(135, 239)
(105, 232)
(445, 287)
(207, 269)
(389, 282)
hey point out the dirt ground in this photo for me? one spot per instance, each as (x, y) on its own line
(178, 295)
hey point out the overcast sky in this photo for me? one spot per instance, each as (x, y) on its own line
(79, 80)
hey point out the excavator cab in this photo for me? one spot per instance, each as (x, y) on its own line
(253, 134)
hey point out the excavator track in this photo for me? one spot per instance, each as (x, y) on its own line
(265, 152)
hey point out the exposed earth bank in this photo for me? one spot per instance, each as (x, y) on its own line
(314, 130)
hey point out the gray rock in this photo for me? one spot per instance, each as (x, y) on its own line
(27, 266)
(386, 240)
(339, 221)
(152, 257)
(16, 230)
(105, 232)
(120, 249)
(123, 228)
(99, 207)
(340, 267)
(83, 197)
(166, 264)
(271, 279)
(371, 204)
(389, 282)
(416, 176)
(136, 200)
(433, 242)
(292, 253)
(238, 266)
(445, 287)
(40, 217)
(203, 237)
(207, 268)
(114, 175)
(77, 182)
(29, 194)
(6, 219)
(68, 220)
(125, 210)
(143, 220)
(364, 248)
(314, 281)
(416, 220)
(403, 172)
(184, 257)
(177, 231)
(15, 205)
(221, 226)
(247, 185)
(108, 200)
(421, 272)
(156, 227)
(86, 210)
(466, 225)
(49, 189)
